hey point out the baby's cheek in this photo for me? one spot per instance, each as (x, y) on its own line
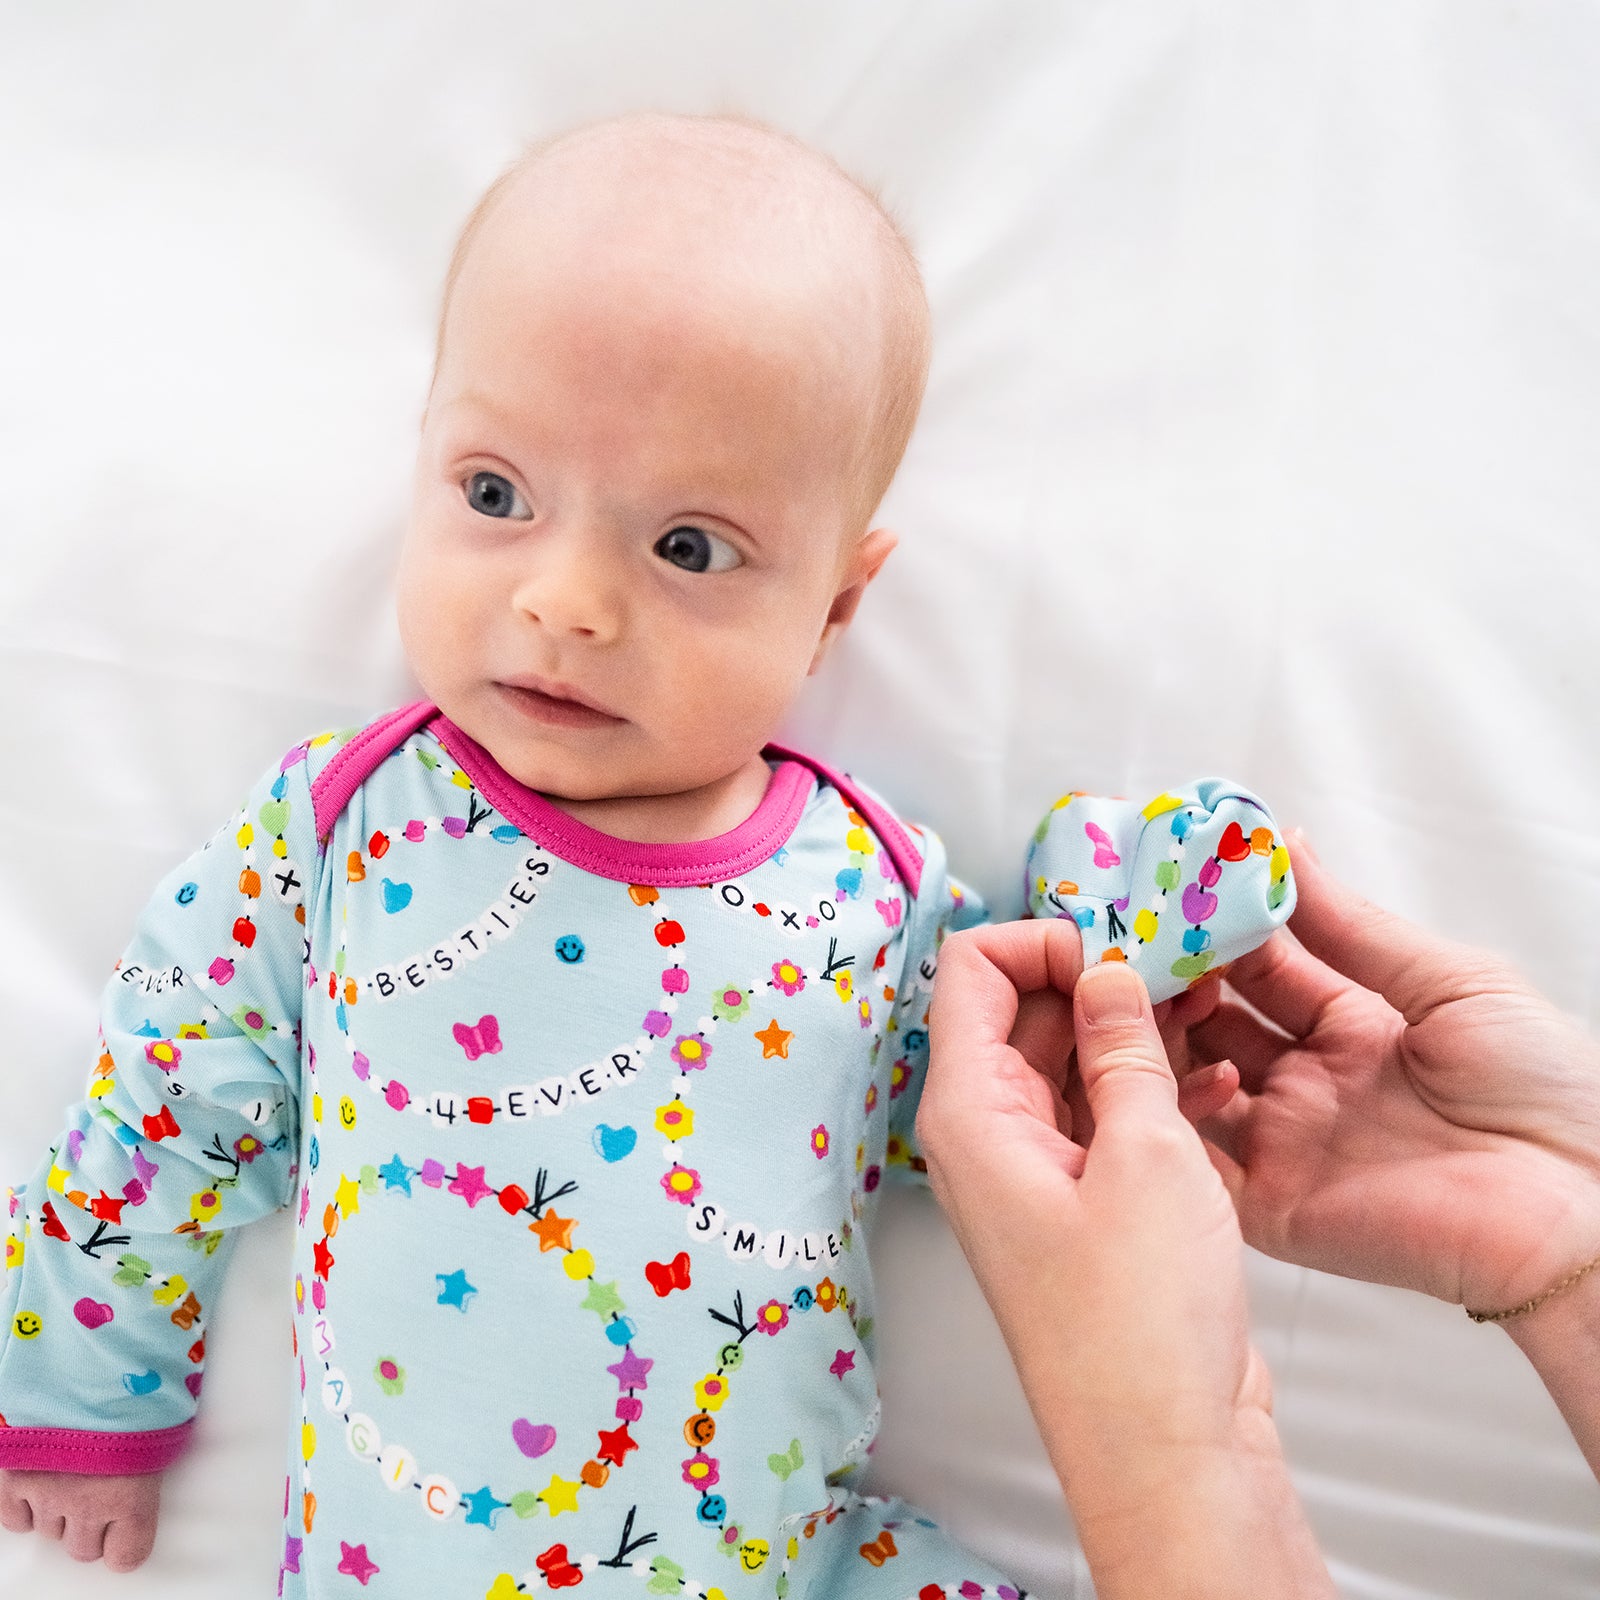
(441, 619)
(746, 693)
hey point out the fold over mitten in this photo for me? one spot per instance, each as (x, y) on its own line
(1178, 888)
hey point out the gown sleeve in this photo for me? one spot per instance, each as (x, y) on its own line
(188, 1128)
(943, 905)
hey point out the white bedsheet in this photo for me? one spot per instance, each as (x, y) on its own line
(1261, 438)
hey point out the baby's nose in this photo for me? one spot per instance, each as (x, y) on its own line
(570, 587)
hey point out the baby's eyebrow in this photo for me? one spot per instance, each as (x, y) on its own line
(475, 400)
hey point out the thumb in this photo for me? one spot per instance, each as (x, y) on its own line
(1414, 970)
(1121, 1058)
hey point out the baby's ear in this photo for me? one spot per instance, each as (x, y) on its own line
(865, 563)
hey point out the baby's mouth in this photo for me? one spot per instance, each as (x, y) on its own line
(556, 705)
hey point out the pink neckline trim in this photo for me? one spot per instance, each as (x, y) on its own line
(667, 866)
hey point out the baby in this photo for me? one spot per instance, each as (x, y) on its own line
(577, 1022)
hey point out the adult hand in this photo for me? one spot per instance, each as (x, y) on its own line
(1411, 1111)
(1113, 1266)
(110, 1517)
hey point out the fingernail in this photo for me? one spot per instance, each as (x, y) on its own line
(1110, 993)
(1299, 845)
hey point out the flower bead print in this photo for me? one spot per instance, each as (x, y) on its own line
(711, 1391)
(731, 1003)
(163, 1053)
(681, 1184)
(788, 977)
(675, 1120)
(691, 1052)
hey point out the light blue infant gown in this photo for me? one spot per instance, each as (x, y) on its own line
(581, 1136)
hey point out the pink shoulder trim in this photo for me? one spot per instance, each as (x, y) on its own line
(356, 762)
(883, 822)
(91, 1454)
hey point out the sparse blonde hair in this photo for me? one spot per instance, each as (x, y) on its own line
(907, 343)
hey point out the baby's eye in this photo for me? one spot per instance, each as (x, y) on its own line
(695, 550)
(490, 495)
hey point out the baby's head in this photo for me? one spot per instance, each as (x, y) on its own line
(679, 361)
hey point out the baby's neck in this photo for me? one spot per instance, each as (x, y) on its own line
(676, 818)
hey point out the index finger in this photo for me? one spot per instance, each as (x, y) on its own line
(983, 972)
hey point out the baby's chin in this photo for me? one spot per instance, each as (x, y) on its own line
(581, 766)
(575, 765)
(564, 763)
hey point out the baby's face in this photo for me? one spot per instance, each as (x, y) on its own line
(633, 530)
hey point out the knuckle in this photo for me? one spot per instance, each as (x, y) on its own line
(1160, 1144)
(1128, 1048)
(1482, 972)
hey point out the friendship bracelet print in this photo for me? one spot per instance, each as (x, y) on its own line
(439, 1496)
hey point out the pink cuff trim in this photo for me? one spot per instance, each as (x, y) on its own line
(666, 866)
(351, 765)
(91, 1454)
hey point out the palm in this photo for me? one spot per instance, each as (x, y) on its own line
(1450, 1154)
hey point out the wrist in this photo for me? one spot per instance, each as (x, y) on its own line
(1561, 1338)
(1216, 1520)
(1190, 1499)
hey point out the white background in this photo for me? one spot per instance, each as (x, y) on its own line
(1261, 439)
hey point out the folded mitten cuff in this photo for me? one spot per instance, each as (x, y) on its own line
(1177, 888)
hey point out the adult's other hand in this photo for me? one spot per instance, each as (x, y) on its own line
(1412, 1112)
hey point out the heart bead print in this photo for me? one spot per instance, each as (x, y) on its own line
(533, 1439)
(612, 1144)
(93, 1313)
(1233, 846)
